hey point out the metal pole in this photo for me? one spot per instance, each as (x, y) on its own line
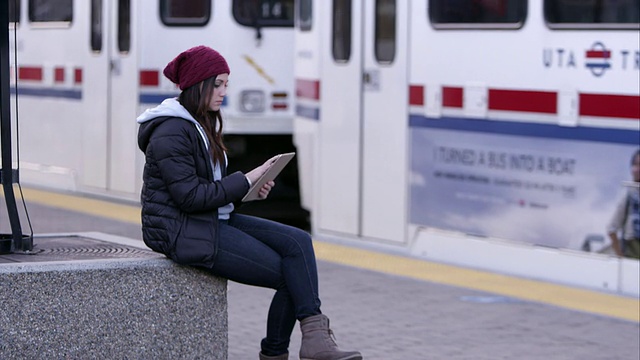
(7, 174)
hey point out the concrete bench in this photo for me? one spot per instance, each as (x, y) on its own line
(147, 308)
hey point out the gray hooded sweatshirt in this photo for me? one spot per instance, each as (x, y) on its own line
(172, 107)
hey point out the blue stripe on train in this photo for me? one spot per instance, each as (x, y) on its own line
(309, 112)
(48, 92)
(550, 131)
(157, 98)
(154, 98)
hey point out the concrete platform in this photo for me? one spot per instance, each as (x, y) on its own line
(79, 246)
(95, 296)
(393, 307)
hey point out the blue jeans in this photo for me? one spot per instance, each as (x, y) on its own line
(265, 253)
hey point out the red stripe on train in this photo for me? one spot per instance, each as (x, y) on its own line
(30, 73)
(149, 78)
(58, 75)
(308, 89)
(526, 101)
(601, 105)
(621, 106)
(452, 96)
(416, 95)
(77, 76)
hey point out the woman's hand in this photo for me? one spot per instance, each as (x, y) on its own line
(266, 188)
(256, 173)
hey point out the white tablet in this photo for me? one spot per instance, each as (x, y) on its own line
(274, 169)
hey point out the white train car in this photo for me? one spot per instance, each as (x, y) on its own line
(86, 69)
(494, 134)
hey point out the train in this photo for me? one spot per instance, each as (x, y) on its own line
(84, 70)
(495, 134)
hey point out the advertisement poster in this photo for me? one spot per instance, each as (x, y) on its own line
(545, 191)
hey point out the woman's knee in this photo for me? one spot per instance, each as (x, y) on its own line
(302, 238)
(295, 242)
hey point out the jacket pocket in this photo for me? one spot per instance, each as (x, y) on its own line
(195, 244)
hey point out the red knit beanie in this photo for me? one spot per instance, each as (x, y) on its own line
(195, 65)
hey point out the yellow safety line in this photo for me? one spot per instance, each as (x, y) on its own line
(567, 297)
(563, 296)
(101, 208)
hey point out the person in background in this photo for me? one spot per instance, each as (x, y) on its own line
(626, 218)
(188, 203)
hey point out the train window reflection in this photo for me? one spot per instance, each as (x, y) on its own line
(14, 11)
(623, 14)
(50, 10)
(385, 33)
(477, 13)
(264, 13)
(304, 15)
(96, 25)
(185, 12)
(341, 30)
(124, 26)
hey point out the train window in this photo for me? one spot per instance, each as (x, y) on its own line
(185, 12)
(477, 14)
(264, 13)
(124, 26)
(14, 11)
(96, 25)
(385, 33)
(571, 14)
(50, 10)
(304, 15)
(341, 30)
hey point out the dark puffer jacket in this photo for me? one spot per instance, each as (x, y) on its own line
(179, 198)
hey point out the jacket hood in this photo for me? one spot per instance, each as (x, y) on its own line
(151, 118)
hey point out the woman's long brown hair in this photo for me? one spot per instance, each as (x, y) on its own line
(196, 99)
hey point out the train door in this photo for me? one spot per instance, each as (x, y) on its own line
(362, 147)
(384, 125)
(93, 114)
(110, 99)
(122, 97)
(340, 145)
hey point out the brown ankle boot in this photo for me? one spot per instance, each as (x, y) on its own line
(318, 342)
(284, 356)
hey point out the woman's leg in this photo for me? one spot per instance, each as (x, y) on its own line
(298, 259)
(246, 259)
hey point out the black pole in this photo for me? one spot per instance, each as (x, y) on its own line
(19, 242)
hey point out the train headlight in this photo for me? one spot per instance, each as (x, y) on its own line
(252, 101)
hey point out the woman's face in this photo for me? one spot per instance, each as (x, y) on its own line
(219, 91)
(635, 168)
